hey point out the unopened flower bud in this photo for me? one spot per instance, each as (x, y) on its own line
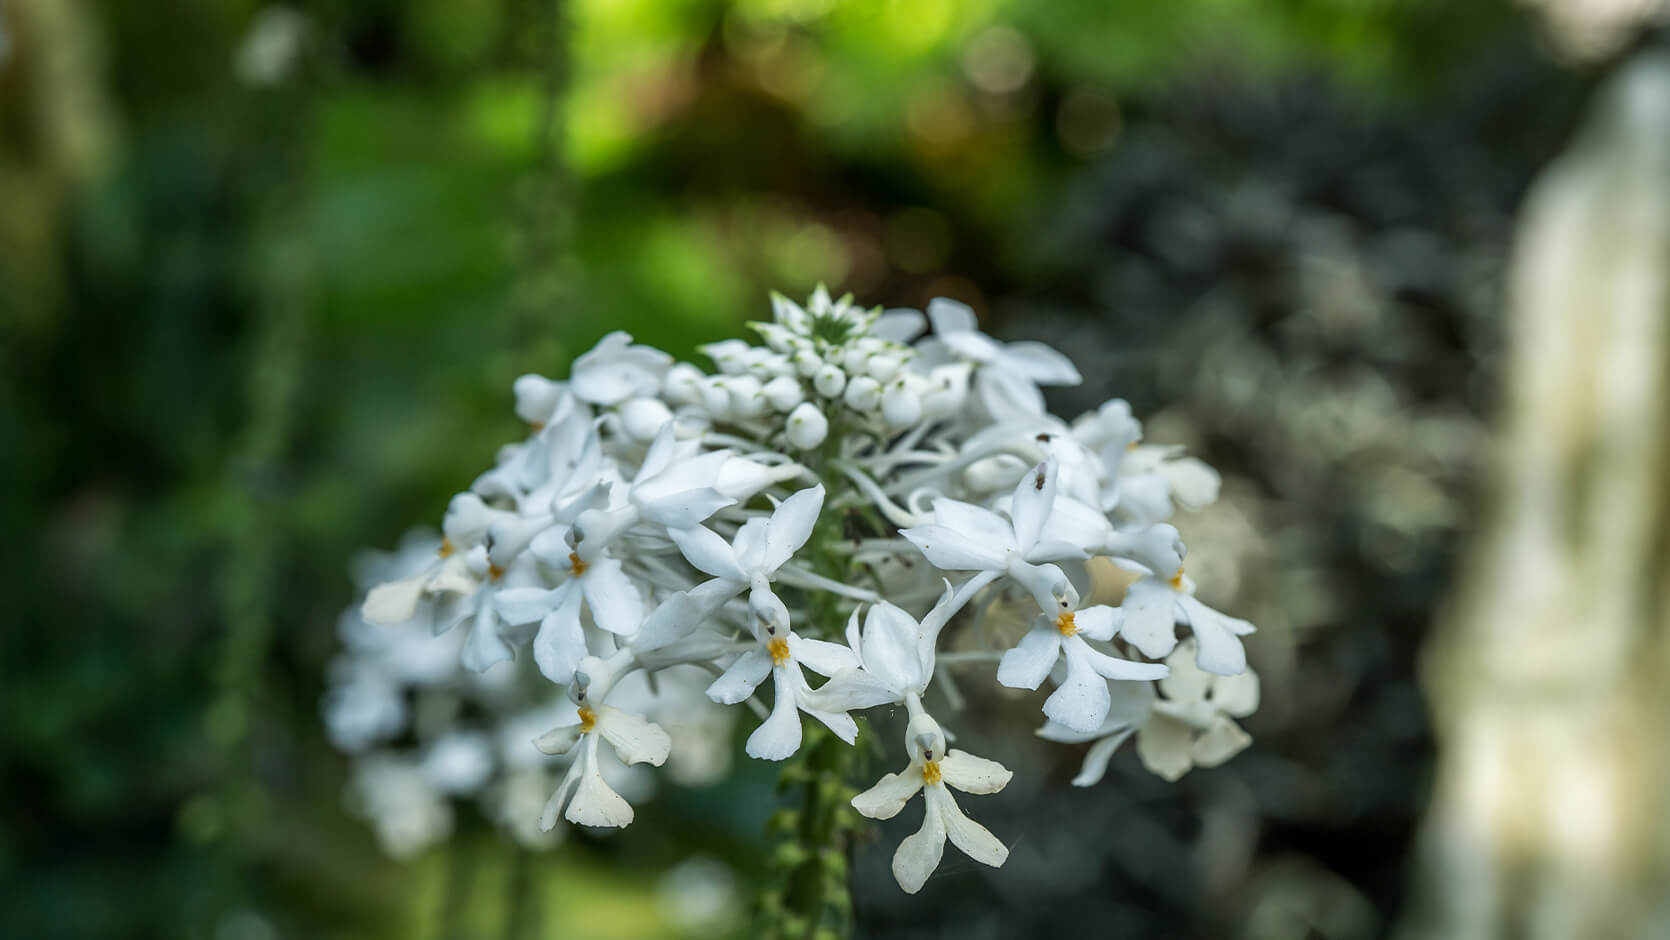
(784, 392)
(992, 474)
(536, 398)
(806, 426)
(683, 384)
(901, 406)
(807, 362)
(643, 418)
(855, 359)
(863, 393)
(745, 394)
(716, 396)
(883, 366)
(829, 381)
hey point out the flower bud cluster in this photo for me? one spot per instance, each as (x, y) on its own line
(816, 511)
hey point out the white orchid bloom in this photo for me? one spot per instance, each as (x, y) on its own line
(895, 655)
(1132, 703)
(1007, 374)
(965, 537)
(667, 492)
(1152, 480)
(751, 561)
(588, 798)
(1193, 725)
(781, 655)
(465, 526)
(599, 586)
(1081, 701)
(934, 771)
(615, 370)
(1154, 605)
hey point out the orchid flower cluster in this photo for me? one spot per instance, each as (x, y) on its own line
(817, 511)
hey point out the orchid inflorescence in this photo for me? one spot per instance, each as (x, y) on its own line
(828, 502)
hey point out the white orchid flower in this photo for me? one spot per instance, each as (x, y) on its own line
(1193, 725)
(1132, 703)
(588, 798)
(781, 655)
(934, 771)
(965, 537)
(599, 586)
(1008, 374)
(1153, 607)
(1081, 701)
(615, 370)
(666, 492)
(752, 559)
(895, 655)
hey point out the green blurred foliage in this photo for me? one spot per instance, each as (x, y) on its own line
(268, 272)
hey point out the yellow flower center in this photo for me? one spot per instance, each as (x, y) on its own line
(779, 648)
(537, 426)
(579, 567)
(446, 549)
(494, 571)
(1177, 580)
(1064, 623)
(930, 772)
(588, 720)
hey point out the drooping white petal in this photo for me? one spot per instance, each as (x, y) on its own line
(560, 643)
(1095, 765)
(394, 602)
(660, 454)
(899, 326)
(1164, 744)
(1121, 670)
(1223, 740)
(889, 795)
(595, 803)
(919, 854)
(525, 605)
(708, 552)
(973, 345)
(852, 689)
(1025, 666)
(685, 508)
(615, 370)
(1220, 650)
(554, 806)
(1187, 682)
(1008, 396)
(778, 737)
(485, 648)
(1040, 363)
(559, 740)
(1194, 484)
(1099, 622)
(1236, 695)
(635, 740)
(1081, 702)
(614, 600)
(1150, 617)
(952, 550)
(889, 647)
(972, 774)
(742, 678)
(975, 840)
(840, 723)
(790, 526)
(821, 656)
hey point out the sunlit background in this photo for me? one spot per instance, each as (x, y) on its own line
(267, 272)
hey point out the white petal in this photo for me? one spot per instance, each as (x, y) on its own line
(525, 605)
(560, 643)
(1122, 670)
(553, 806)
(1077, 523)
(1223, 740)
(1095, 765)
(821, 656)
(1187, 683)
(1008, 396)
(852, 689)
(742, 678)
(559, 740)
(1040, 363)
(976, 841)
(709, 553)
(973, 345)
(1098, 623)
(1193, 484)
(1150, 617)
(1220, 650)
(778, 737)
(974, 523)
(660, 454)
(1082, 700)
(596, 804)
(394, 602)
(899, 326)
(1164, 745)
(972, 774)
(890, 648)
(952, 550)
(840, 723)
(1034, 498)
(684, 509)
(951, 316)
(485, 648)
(790, 526)
(889, 795)
(635, 740)
(749, 543)
(613, 598)
(1236, 695)
(919, 854)
(1025, 666)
